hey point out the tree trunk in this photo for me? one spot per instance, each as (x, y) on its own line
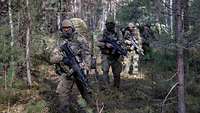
(5, 71)
(180, 61)
(180, 73)
(165, 10)
(11, 23)
(77, 8)
(158, 10)
(12, 39)
(186, 29)
(59, 14)
(171, 18)
(104, 15)
(28, 45)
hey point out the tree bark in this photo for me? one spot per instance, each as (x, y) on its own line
(104, 15)
(186, 29)
(11, 23)
(12, 38)
(180, 61)
(5, 71)
(59, 14)
(77, 8)
(28, 45)
(158, 10)
(171, 18)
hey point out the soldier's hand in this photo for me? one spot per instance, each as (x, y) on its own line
(108, 45)
(100, 44)
(127, 41)
(131, 48)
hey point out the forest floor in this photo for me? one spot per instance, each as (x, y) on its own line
(136, 95)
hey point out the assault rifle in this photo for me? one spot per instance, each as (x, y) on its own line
(78, 73)
(116, 46)
(134, 45)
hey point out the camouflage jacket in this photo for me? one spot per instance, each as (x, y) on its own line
(80, 47)
(107, 34)
(128, 37)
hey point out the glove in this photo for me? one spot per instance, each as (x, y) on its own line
(56, 56)
(108, 45)
(132, 48)
(128, 42)
(66, 61)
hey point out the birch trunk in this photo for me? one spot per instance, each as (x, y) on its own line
(171, 17)
(12, 39)
(11, 23)
(28, 45)
(77, 8)
(104, 15)
(59, 13)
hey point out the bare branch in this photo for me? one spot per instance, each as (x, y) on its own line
(163, 103)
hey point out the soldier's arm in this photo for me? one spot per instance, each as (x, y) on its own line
(127, 38)
(85, 52)
(99, 39)
(56, 55)
(56, 58)
(138, 38)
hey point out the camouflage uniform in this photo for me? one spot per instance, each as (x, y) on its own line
(68, 98)
(131, 61)
(110, 60)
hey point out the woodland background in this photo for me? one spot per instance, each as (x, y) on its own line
(171, 70)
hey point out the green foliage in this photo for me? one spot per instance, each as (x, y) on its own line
(137, 94)
(19, 84)
(8, 96)
(194, 19)
(136, 11)
(193, 103)
(7, 52)
(165, 61)
(36, 107)
(42, 45)
(9, 76)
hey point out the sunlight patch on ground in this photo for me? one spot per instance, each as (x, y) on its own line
(140, 76)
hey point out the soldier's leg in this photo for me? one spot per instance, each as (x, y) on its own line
(105, 68)
(117, 69)
(135, 64)
(64, 91)
(130, 71)
(70, 100)
(126, 65)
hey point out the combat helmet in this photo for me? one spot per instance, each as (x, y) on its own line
(66, 23)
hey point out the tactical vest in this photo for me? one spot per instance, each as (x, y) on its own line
(105, 50)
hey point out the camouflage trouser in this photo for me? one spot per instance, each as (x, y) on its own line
(70, 100)
(116, 66)
(131, 63)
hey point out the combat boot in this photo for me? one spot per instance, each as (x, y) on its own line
(117, 81)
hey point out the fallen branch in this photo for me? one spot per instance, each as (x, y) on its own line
(101, 108)
(171, 77)
(163, 103)
(97, 105)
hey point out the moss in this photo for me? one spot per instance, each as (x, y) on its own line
(8, 96)
(36, 107)
(19, 84)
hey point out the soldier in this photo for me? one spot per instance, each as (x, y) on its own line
(68, 98)
(107, 58)
(131, 36)
(148, 36)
